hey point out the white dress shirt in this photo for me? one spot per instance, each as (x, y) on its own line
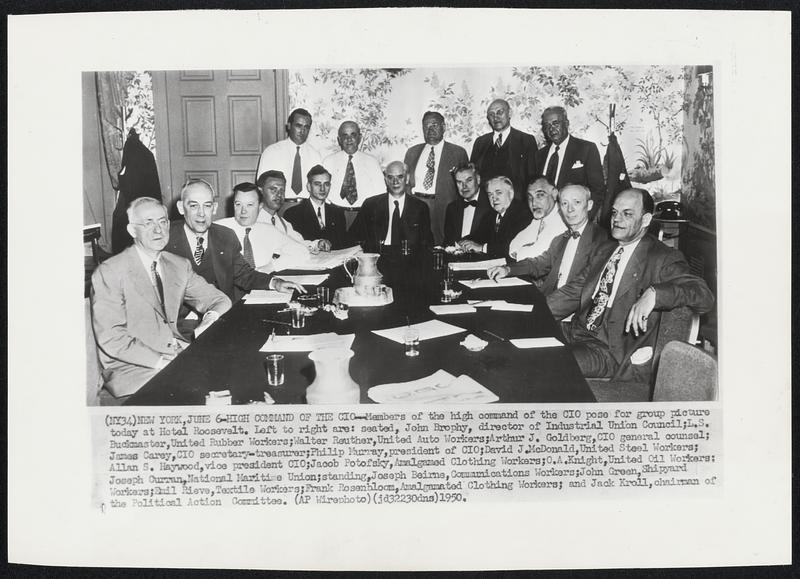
(536, 237)
(280, 157)
(369, 177)
(627, 252)
(469, 215)
(505, 132)
(561, 148)
(568, 257)
(401, 204)
(319, 211)
(267, 241)
(422, 168)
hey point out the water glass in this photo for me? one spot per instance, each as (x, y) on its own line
(405, 247)
(447, 291)
(298, 317)
(438, 259)
(324, 295)
(275, 371)
(411, 340)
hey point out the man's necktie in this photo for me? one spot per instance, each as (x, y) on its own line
(198, 251)
(320, 219)
(428, 182)
(497, 223)
(349, 191)
(552, 166)
(600, 299)
(395, 238)
(273, 221)
(499, 142)
(472, 203)
(297, 179)
(248, 248)
(159, 286)
(572, 234)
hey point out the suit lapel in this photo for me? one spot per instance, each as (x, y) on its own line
(633, 271)
(560, 245)
(443, 170)
(173, 284)
(584, 246)
(382, 217)
(217, 250)
(142, 282)
(309, 209)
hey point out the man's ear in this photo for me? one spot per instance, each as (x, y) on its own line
(214, 207)
(180, 208)
(646, 219)
(589, 205)
(131, 230)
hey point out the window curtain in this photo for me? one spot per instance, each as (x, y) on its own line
(110, 106)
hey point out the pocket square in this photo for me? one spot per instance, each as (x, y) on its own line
(577, 165)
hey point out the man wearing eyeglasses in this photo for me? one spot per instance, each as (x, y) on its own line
(135, 300)
(430, 165)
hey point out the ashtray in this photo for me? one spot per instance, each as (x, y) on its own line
(473, 343)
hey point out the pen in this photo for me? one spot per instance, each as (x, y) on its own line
(494, 335)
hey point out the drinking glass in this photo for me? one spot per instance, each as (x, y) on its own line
(275, 371)
(411, 340)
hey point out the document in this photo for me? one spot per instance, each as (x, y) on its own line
(441, 310)
(427, 330)
(476, 265)
(503, 282)
(440, 387)
(307, 343)
(314, 279)
(324, 259)
(267, 297)
(509, 307)
(525, 343)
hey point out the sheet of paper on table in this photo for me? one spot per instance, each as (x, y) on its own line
(501, 305)
(535, 342)
(427, 330)
(314, 279)
(323, 260)
(267, 297)
(476, 265)
(441, 310)
(441, 387)
(307, 343)
(502, 282)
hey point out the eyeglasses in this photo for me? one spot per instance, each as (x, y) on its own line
(150, 224)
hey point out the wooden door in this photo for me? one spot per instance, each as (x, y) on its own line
(214, 124)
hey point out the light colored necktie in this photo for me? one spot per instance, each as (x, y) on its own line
(349, 191)
(499, 142)
(600, 300)
(428, 181)
(320, 219)
(198, 251)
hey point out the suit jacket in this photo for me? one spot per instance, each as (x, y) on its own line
(131, 328)
(652, 263)
(547, 264)
(234, 275)
(516, 218)
(455, 215)
(588, 172)
(303, 218)
(521, 148)
(446, 192)
(372, 223)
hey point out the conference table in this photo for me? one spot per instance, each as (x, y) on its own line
(227, 356)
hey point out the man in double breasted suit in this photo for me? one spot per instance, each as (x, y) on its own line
(314, 218)
(464, 215)
(620, 294)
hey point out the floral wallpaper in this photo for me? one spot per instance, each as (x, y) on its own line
(699, 190)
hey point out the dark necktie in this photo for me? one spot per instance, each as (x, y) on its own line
(297, 179)
(320, 219)
(198, 251)
(395, 238)
(497, 223)
(572, 234)
(552, 166)
(472, 203)
(428, 182)
(248, 248)
(600, 299)
(349, 191)
(159, 286)
(273, 221)
(499, 142)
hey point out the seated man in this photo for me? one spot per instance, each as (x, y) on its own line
(315, 219)
(542, 198)
(272, 185)
(463, 215)
(214, 250)
(620, 294)
(263, 247)
(568, 253)
(135, 299)
(498, 228)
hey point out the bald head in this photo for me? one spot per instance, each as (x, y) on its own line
(197, 205)
(631, 215)
(396, 177)
(349, 137)
(499, 115)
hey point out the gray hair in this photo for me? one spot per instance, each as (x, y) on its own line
(138, 202)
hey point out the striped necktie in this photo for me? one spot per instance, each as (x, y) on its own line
(198, 251)
(248, 248)
(159, 285)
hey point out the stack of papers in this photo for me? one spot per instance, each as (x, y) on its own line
(427, 330)
(323, 260)
(502, 282)
(476, 265)
(453, 309)
(315, 279)
(267, 297)
(307, 343)
(438, 388)
(536, 342)
(501, 305)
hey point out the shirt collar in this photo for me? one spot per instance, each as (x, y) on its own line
(146, 260)
(191, 237)
(315, 203)
(505, 132)
(401, 202)
(562, 145)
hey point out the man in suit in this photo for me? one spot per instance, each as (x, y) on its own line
(498, 228)
(505, 151)
(135, 299)
(463, 215)
(568, 252)
(387, 219)
(317, 221)
(568, 159)
(546, 224)
(429, 165)
(263, 246)
(620, 294)
(214, 250)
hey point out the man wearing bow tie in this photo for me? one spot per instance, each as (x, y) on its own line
(463, 215)
(546, 224)
(569, 160)
(568, 252)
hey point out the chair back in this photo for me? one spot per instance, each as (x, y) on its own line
(94, 377)
(685, 373)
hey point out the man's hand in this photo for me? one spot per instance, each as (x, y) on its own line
(637, 318)
(470, 246)
(323, 245)
(498, 271)
(287, 286)
(164, 360)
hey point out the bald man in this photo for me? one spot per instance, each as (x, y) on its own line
(505, 151)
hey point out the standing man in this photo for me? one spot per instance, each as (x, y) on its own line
(546, 225)
(619, 296)
(263, 247)
(567, 159)
(135, 299)
(387, 219)
(569, 252)
(317, 221)
(214, 250)
(463, 215)
(505, 151)
(498, 228)
(430, 165)
(292, 156)
(355, 175)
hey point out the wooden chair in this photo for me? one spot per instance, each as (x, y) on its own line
(686, 373)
